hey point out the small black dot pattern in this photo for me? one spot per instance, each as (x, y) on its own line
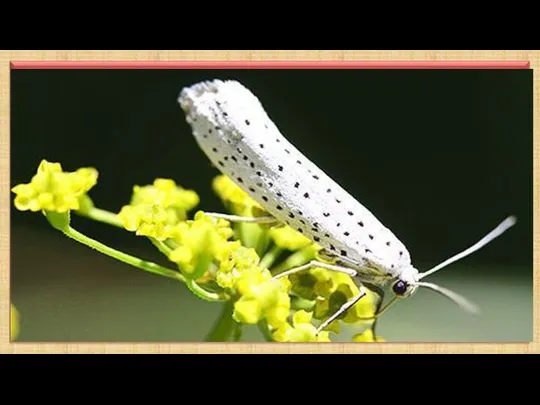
(344, 225)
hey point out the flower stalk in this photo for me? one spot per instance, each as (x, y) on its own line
(224, 326)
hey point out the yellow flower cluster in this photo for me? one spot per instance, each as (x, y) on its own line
(367, 336)
(302, 330)
(199, 243)
(203, 250)
(288, 238)
(235, 199)
(331, 290)
(156, 209)
(258, 296)
(51, 189)
(213, 263)
(261, 298)
(235, 261)
(165, 193)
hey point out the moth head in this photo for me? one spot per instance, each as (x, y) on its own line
(402, 289)
(408, 283)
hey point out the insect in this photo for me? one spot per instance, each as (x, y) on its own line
(232, 127)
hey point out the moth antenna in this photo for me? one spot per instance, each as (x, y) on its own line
(461, 301)
(499, 230)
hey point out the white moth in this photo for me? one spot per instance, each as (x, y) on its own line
(233, 129)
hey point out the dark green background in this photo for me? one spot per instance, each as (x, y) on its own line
(440, 156)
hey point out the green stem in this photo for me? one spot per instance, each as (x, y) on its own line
(237, 332)
(224, 325)
(262, 241)
(201, 292)
(263, 328)
(107, 217)
(123, 257)
(270, 257)
(249, 234)
(170, 244)
(141, 264)
(162, 247)
(190, 281)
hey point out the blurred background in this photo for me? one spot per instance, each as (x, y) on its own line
(440, 156)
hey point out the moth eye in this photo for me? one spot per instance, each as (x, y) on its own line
(399, 287)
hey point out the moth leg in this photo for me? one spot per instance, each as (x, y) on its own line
(339, 269)
(315, 263)
(342, 309)
(236, 218)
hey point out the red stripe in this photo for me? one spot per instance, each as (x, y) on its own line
(271, 65)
